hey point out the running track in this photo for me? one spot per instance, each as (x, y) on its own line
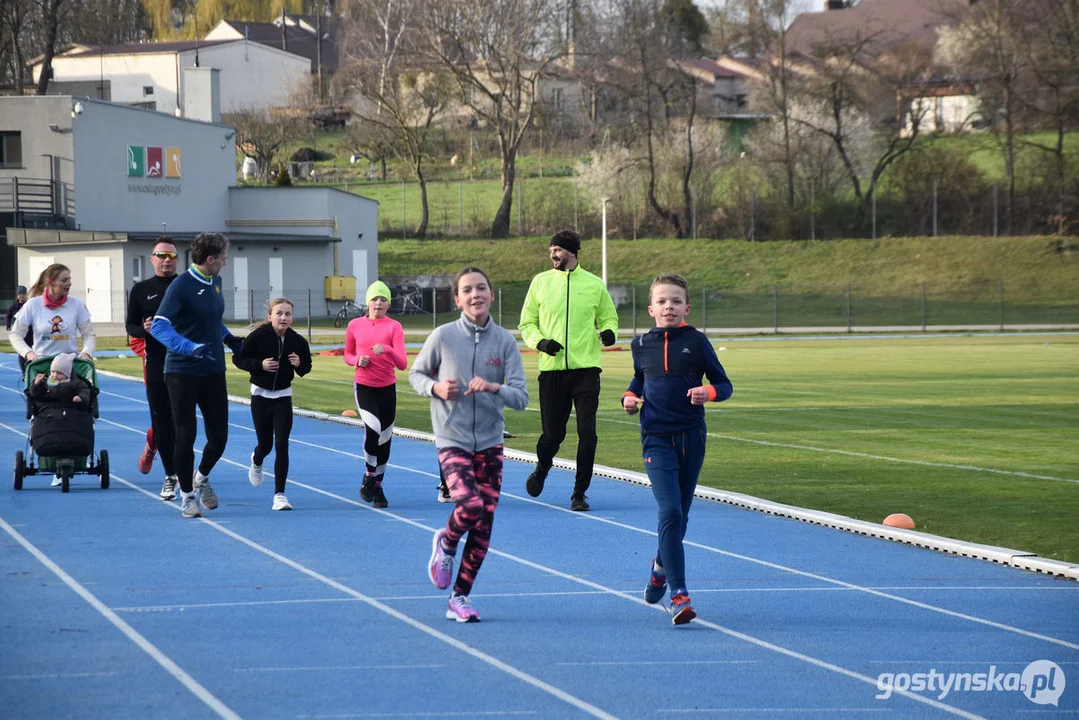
(113, 606)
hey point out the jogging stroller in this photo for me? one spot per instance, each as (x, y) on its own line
(61, 438)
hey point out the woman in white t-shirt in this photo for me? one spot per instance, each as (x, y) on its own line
(56, 318)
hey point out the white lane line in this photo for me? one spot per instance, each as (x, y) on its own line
(562, 594)
(321, 668)
(382, 607)
(774, 710)
(439, 714)
(652, 533)
(498, 664)
(133, 635)
(57, 676)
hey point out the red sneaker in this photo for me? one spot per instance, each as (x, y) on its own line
(146, 460)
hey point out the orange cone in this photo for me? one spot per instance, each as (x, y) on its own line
(899, 520)
(348, 413)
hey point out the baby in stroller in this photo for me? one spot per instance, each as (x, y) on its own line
(60, 388)
(61, 407)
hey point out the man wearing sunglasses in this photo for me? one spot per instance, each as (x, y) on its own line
(142, 305)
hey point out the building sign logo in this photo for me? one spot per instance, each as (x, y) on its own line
(154, 162)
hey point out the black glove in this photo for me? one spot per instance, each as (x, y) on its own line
(202, 352)
(551, 347)
(235, 344)
(607, 338)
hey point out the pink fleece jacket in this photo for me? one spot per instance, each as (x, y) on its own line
(361, 335)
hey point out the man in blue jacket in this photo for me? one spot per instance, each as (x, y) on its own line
(189, 324)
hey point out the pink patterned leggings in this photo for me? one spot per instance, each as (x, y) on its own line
(475, 482)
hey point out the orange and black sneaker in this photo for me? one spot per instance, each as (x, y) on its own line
(656, 587)
(681, 611)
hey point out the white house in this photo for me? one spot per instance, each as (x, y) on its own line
(151, 75)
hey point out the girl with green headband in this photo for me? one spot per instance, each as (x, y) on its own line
(375, 346)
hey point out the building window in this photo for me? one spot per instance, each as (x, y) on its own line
(136, 268)
(10, 149)
(556, 96)
(147, 90)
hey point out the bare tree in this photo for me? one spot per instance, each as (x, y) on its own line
(986, 45)
(495, 52)
(260, 133)
(849, 93)
(1050, 91)
(649, 73)
(52, 20)
(397, 95)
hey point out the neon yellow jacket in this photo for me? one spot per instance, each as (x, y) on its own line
(570, 307)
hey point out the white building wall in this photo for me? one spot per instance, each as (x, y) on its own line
(108, 199)
(128, 75)
(252, 75)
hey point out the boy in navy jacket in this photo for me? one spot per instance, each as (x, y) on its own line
(669, 364)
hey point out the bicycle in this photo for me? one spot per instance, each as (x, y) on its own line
(347, 312)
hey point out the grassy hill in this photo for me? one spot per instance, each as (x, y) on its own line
(1043, 267)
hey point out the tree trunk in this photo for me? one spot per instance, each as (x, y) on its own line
(500, 228)
(421, 231)
(52, 21)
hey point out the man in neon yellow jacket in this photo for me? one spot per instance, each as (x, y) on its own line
(564, 309)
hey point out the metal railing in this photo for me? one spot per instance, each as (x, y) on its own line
(28, 195)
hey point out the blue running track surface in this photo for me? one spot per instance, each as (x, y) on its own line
(114, 606)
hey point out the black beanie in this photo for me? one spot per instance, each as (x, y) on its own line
(568, 240)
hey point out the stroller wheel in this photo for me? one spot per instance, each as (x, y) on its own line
(103, 468)
(65, 480)
(20, 469)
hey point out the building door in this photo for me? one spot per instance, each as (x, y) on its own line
(99, 288)
(240, 296)
(359, 271)
(277, 277)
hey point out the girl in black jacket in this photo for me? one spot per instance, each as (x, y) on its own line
(273, 353)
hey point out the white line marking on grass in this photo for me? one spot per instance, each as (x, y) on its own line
(133, 635)
(498, 664)
(870, 456)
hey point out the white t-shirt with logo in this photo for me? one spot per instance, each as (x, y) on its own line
(56, 330)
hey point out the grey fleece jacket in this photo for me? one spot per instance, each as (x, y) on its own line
(464, 350)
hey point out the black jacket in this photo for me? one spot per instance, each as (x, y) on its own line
(142, 303)
(264, 343)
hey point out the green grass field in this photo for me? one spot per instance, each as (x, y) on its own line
(976, 438)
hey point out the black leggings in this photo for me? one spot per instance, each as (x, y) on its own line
(157, 395)
(378, 410)
(273, 424)
(210, 394)
(559, 392)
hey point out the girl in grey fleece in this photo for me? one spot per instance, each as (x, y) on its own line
(471, 369)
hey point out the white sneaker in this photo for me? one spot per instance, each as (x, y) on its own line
(168, 488)
(280, 502)
(56, 482)
(190, 507)
(254, 473)
(207, 496)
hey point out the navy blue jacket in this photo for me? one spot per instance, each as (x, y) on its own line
(189, 318)
(667, 363)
